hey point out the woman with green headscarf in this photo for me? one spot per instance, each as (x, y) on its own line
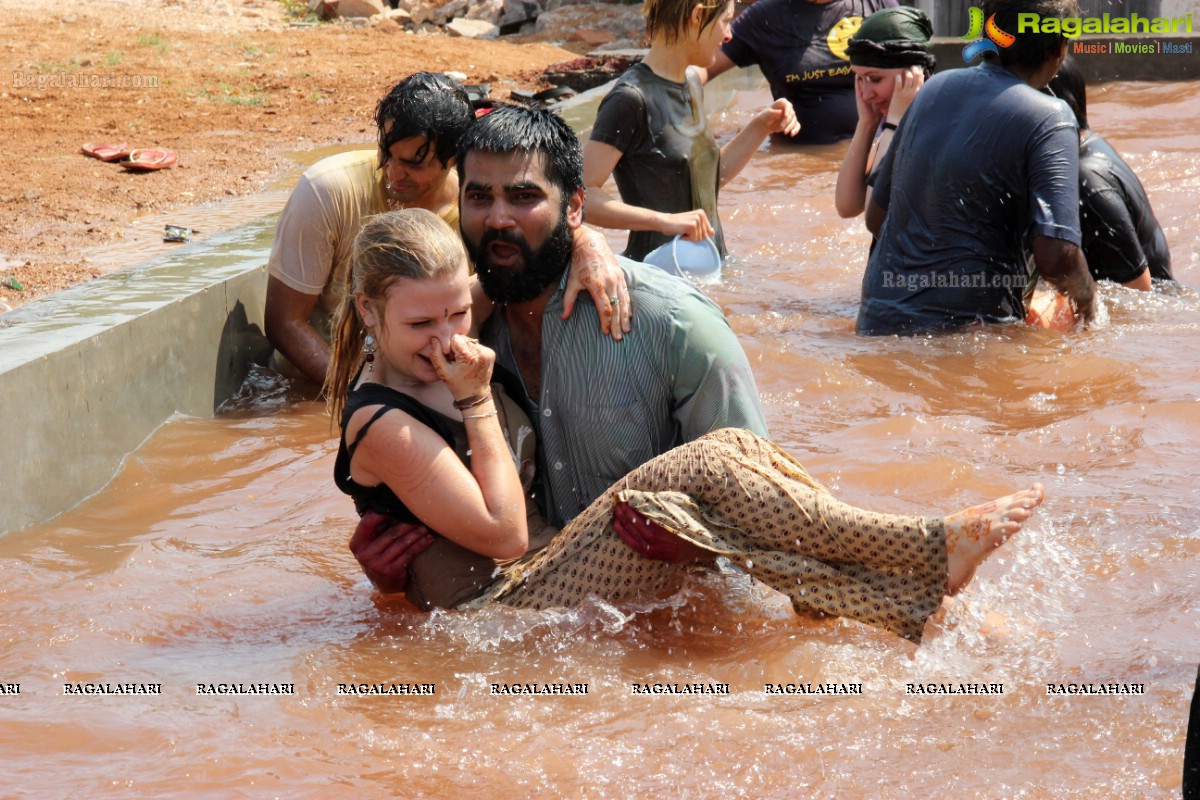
(891, 58)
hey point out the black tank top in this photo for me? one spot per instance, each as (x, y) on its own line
(446, 574)
(380, 498)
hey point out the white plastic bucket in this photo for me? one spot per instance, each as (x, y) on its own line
(700, 260)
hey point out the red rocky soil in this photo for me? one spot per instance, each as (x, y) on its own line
(229, 85)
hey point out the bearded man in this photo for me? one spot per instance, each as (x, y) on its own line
(601, 407)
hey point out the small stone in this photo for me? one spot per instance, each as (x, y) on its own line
(325, 9)
(472, 28)
(591, 37)
(359, 8)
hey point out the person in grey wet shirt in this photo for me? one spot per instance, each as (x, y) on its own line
(652, 135)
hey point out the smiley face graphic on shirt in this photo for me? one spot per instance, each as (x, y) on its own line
(839, 35)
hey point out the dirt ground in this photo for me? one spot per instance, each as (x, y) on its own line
(229, 85)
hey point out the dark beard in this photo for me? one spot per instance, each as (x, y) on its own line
(542, 268)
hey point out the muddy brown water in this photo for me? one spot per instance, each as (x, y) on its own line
(217, 555)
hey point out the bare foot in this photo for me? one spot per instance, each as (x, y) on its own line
(972, 534)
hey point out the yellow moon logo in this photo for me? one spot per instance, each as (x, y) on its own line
(839, 36)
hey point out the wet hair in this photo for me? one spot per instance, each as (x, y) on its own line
(412, 244)
(510, 129)
(669, 18)
(1030, 49)
(424, 104)
(893, 38)
(1070, 87)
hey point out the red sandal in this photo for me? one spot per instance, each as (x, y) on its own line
(107, 152)
(145, 159)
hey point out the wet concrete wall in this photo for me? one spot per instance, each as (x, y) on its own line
(88, 374)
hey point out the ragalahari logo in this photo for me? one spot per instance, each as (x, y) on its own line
(995, 36)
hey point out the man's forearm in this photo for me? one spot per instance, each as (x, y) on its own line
(286, 320)
(1062, 264)
(301, 345)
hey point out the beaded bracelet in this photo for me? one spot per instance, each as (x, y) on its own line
(471, 402)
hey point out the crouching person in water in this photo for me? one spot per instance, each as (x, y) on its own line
(427, 436)
(1122, 240)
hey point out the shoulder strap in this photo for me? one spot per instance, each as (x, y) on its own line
(380, 498)
(375, 394)
(362, 432)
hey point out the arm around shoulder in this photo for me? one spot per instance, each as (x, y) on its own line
(594, 269)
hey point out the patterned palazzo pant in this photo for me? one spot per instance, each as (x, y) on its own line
(737, 495)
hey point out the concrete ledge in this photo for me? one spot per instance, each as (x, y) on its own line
(87, 374)
(1102, 58)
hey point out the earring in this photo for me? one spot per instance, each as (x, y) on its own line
(369, 352)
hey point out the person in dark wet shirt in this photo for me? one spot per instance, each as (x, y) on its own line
(981, 160)
(801, 47)
(1122, 240)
